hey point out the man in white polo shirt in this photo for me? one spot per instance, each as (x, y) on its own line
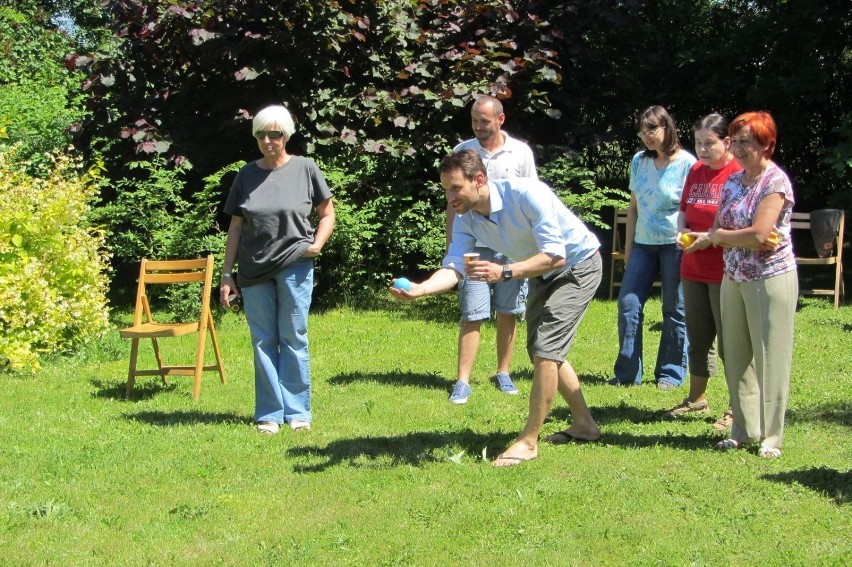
(504, 157)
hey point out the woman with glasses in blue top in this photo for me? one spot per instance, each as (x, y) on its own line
(657, 175)
(273, 241)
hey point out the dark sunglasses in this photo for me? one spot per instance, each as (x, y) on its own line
(271, 134)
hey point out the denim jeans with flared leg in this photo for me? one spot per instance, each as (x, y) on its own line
(277, 314)
(645, 262)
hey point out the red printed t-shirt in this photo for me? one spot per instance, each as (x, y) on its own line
(700, 200)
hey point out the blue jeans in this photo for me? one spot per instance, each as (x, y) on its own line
(645, 262)
(277, 314)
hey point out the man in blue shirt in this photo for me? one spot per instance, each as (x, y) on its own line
(523, 218)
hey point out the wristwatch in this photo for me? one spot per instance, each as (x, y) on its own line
(507, 273)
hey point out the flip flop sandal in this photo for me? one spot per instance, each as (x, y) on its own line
(514, 460)
(563, 438)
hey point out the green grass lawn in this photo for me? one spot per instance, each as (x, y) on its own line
(393, 474)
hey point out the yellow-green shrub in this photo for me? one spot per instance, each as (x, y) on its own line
(52, 265)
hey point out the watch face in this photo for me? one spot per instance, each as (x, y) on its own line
(507, 273)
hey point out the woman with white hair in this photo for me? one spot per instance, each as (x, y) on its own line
(273, 242)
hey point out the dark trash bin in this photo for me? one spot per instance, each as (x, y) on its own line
(824, 226)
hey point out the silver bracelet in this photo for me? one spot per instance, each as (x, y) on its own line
(227, 275)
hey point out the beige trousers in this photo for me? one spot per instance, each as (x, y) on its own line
(757, 329)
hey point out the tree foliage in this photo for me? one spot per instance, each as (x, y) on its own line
(395, 76)
(40, 101)
(792, 58)
(385, 77)
(393, 80)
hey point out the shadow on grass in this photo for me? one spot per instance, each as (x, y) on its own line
(828, 482)
(429, 381)
(839, 413)
(437, 309)
(142, 390)
(613, 414)
(407, 449)
(592, 379)
(672, 440)
(177, 418)
(607, 415)
(525, 374)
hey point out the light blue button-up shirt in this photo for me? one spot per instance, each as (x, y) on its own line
(526, 218)
(513, 159)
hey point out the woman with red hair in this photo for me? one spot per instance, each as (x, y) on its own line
(760, 288)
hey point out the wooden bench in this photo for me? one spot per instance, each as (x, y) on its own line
(802, 222)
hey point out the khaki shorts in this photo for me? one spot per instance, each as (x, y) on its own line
(556, 306)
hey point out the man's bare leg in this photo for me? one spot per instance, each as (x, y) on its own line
(468, 347)
(583, 426)
(525, 447)
(506, 332)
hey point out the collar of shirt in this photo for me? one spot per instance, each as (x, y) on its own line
(495, 203)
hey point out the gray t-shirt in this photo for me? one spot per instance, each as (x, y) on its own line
(275, 205)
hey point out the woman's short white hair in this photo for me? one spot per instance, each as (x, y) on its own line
(275, 115)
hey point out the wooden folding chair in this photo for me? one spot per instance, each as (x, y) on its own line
(619, 230)
(173, 272)
(619, 225)
(802, 221)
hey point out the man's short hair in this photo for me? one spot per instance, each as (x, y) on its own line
(466, 161)
(496, 105)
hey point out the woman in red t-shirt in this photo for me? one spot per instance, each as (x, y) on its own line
(701, 266)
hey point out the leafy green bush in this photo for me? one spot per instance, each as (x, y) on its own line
(343, 271)
(387, 233)
(198, 235)
(144, 221)
(577, 187)
(151, 218)
(839, 159)
(38, 124)
(52, 265)
(417, 235)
